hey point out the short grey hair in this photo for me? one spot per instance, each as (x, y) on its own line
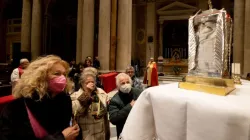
(84, 77)
(24, 60)
(130, 68)
(91, 69)
(122, 75)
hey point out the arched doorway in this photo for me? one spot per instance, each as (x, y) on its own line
(60, 29)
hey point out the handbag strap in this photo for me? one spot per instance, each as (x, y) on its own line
(38, 130)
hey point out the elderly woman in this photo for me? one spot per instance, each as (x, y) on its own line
(95, 72)
(89, 105)
(42, 108)
(136, 81)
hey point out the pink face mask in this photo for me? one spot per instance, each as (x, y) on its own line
(57, 84)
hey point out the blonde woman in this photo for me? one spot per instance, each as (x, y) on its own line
(42, 108)
(90, 109)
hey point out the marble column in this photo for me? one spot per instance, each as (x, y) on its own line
(26, 26)
(104, 34)
(161, 38)
(124, 43)
(113, 38)
(151, 21)
(134, 49)
(36, 28)
(79, 32)
(238, 45)
(246, 38)
(88, 28)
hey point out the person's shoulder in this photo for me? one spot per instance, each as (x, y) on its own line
(101, 91)
(115, 99)
(136, 90)
(15, 70)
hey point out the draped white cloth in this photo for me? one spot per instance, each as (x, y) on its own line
(169, 113)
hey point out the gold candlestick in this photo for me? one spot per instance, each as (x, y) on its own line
(236, 78)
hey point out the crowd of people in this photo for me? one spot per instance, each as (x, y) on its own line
(56, 100)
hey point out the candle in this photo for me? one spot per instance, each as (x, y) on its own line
(237, 66)
(233, 68)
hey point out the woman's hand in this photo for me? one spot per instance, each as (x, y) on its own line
(84, 99)
(90, 87)
(71, 133)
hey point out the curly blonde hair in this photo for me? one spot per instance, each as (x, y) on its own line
(34, 78)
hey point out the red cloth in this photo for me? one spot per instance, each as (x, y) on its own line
(4, 100)
(20, 69)
(154, 76)
(108, 81)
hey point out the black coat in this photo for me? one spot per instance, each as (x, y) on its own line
(53, 114)
(119, 108)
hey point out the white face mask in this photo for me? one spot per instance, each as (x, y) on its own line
(126, 88)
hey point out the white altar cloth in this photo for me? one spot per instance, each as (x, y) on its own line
(169, 113)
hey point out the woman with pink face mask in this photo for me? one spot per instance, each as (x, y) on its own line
(42, 109)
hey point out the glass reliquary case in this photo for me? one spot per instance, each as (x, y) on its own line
(210, 39)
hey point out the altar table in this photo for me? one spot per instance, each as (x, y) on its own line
(169, 113)
(108, 81)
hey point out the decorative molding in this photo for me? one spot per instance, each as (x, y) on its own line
(140, 36)
(176, 11)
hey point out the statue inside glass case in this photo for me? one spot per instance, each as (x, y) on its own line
(210, 39)
(210, 44)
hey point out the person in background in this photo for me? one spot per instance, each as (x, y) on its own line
(136, 81)
(151, 74)
(95, 72)
(72, 69)
(96, 63)
(87, 63)
(123, 101)
(89, 105)
(42, 109)
(17, 72)
(89, 58)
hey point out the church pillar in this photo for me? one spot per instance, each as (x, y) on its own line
(124, 43)
(160, 38)
(104, 34)
(246, 35)
(88, 28)
(238, 45)
(79, 32)
(113, 39)
(150, 50)
(26, 26)
(134, 49)
(36, 29)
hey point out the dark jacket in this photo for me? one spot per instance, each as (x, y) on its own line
(53, 114)
(119, 108)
